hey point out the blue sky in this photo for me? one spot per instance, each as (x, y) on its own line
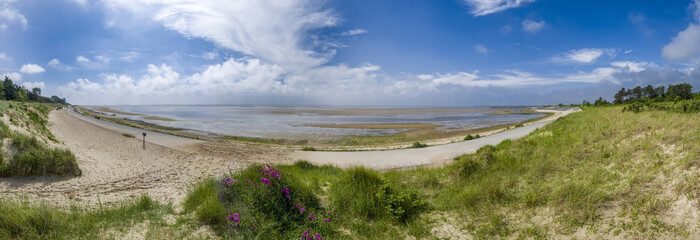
(432, 53)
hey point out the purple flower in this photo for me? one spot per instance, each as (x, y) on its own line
(255, 184)
(246, 180)
(265, 181)
(337, 219)
(330, 213)
(235, 214)
(305, 234)
(230, 217)
(326, 220)
(311, 218)
(297, 206)
(236, 220)
(285, 190)
(302, 210)
(317, 236)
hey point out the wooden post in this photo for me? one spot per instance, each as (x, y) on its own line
(144, 141)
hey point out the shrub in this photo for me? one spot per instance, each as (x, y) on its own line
(308, 149)
(400, 205)
(127, 135)
(470, 137)
(418, 145)
(35, 158)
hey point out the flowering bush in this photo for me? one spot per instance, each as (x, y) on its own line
(263, 199)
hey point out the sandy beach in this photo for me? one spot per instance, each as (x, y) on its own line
(116, 167)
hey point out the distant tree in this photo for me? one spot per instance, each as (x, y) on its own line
(649, 92)
(2, 91)
(637, 93)
(36, 91)
(601, 102)
(661, 91)
(21, 94)
(683, 90)
(620, 96)
(9, 88)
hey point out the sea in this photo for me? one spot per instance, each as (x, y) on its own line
(298, 121)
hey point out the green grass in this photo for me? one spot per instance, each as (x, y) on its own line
(33, 157)
(127, 135)
(600, 173)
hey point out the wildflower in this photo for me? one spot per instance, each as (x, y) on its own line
(330, 213)
(317, 236)
(337, 219)
(236, 220)
(246, 180)
(255, 184)
(306, 233)
(326, 220)
(302, 210)
(265, 181)
(230, 217)
(297, 206)
(286, 193)
(235, 214)
(311, 218)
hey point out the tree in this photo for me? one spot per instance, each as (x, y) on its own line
(683, 90)
(649, 92)
(36, 91)
(637, 92)
(601, 102)
(21, 94)
(620, 96)
(9, 88)
(661, 91)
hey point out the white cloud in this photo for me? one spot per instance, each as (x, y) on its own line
(210, 55)
(640, 21)
(354, 32)
(82, 59)
(631, 66)
(57, 64)
(4, 57)
(31, 69)
(481, 49)
(8, 14)
(30, 85)
(15, 76)
(532, 26)
(585, 55)
(685, 46)
(628, 52)
(485, 7)
(273, 31)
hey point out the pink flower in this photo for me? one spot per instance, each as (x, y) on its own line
(265, 181)
(326, 220)
(302, 210)
(236, 220)
(297, 206)
(235, 214)
(317, 236)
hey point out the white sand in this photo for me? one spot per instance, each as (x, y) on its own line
(116, 167)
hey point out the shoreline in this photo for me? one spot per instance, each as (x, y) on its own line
(426, 133)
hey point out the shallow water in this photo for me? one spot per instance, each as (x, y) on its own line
(293, 122)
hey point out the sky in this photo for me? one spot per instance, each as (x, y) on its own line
(356, 53)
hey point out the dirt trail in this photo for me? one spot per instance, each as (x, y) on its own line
(116, 167)
(402, 158)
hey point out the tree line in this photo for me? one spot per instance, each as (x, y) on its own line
(672, 93)
(11, 91)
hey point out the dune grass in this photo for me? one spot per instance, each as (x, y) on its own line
(26, 156)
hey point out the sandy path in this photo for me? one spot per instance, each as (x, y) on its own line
(116, 167)
(419, 156)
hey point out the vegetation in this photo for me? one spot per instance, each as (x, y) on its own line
(127, 135)
(418, 145)
(26, 154)
(11, 91)
(600, 173)
(470, 137)
(308, 149)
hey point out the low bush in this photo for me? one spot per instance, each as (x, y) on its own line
(308, 149)
(32, 157)
(470, 137)
(418, 145)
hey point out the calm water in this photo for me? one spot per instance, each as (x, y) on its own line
(293, 122)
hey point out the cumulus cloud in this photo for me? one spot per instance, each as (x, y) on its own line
(532, 26)
(354, 32)
(82, 59)
(481, 49)
(630, 65)
(4, 57)
(9, 15)
(686, 45)
(486, 7)
(30, 85)
(57, 64)
(31, 69)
